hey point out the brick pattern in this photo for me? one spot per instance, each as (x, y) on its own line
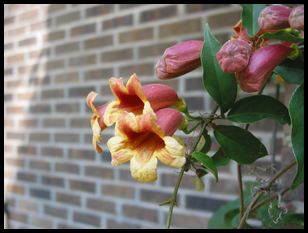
(53, 56)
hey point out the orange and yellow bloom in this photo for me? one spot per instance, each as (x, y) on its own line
(144, 126)
(145, 138)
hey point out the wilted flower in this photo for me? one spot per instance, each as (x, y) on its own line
(274, 17)
(261, 64)
(179, 59)
(296, 18)
(234, 55)
(145, 138)
(130, 98)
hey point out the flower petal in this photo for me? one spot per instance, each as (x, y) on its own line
(173, 154)
(97, 138)
(119, 152)
(144, 171)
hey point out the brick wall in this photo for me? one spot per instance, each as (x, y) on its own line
(54, 55)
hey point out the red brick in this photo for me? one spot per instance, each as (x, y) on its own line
(26, 176)
(16, 32)
(83, 186)
(27, 42)
(154, 196)
(194, 8)
(140, 69)
(28, 205)
(53, 65)
(100, 172)
(71, 77)
(53, 36)
(39, 137)
(67, 48)
(66, 137)
(223, 19)
(52, 94)
(118, 55)
(25, 149)
(52, 152)
(159, 13)
(39, 165)
(98, 74)
(55, 8)
(98, 42)
(180, 28)
(129, 6)
(118, 191)
(68, 198)
(136, 35)
(117, 22)
(112, 224)
(67, 168)
(82, 60)
(18, 217)
(15, 109)
(17, 58)
(16, 162)
(52, 181)
(224, 186)
(140, 213)
(69, 107)
(170, 180)
(54, 122)
(27, 95)
(188, 221)
(86, 218)
(41, 222)
(80, 91)
(153, 50)
(41, 25)
(14, 188)
(15, 136)
(84, 29)
(67, 18)
(99, 10)
(81, 154)
(9, 20)
(55, 212)
(29, 15)
(101, 205)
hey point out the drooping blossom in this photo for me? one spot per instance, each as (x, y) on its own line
(261, 64)
(130, 98)
(179, 59)
(145, 138)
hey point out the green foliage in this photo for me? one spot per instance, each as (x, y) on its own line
(250, 14)
(291, 71)
(258, 107)
(207, 162)
(287, 34)
(239, 144)
(205, 143)
(221, 87)
(219, 158)
(296, 108)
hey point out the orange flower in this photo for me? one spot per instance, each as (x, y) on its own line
(145, 138)
(130, 98)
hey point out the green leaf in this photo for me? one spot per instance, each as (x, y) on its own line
(250, 15)
(205, 143)
(206, 162)
(239, 144)
(219, 220)
(291, 71)
(296, 108)
(288, 34)
(219, 158)
(294, 219)
(258, 107)
(221, 86)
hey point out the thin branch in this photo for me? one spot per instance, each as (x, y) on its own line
(260, 192)
(241, 193)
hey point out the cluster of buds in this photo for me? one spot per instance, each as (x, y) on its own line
(277, 17)
(145, 119)
(253, 65)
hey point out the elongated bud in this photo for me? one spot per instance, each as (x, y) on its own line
(169, 120)
(296, 18)
(179, 59)
(234, 55)
(274, 17)
(261, 64)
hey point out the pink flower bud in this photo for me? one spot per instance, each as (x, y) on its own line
(274, 17)
(234, 55)
(296, 18)
(169, 120)
(261, 64)
(179, 59)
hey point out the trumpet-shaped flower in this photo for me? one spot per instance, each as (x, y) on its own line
(296, 18)
(129, 98)
(144, 139)
(274, 17)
